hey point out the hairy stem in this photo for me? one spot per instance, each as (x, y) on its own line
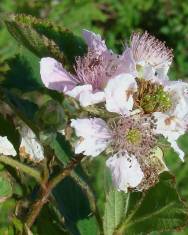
(20, 166)
(98, 112)
(47, 188)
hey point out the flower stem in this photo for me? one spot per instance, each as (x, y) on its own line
(47, 188)
(96, 111)
(22, 167)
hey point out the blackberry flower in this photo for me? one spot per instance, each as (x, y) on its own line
(128, 141)
(92, 72)
(149, 57)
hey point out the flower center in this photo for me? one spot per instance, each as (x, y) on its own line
(134, 136)
(151, 97)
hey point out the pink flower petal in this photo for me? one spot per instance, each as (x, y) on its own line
(54, 76)
(94, 41)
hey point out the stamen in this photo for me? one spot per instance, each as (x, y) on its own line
(151, 50)
(133, 134)
(96, 69)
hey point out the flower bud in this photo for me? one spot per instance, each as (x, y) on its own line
(47, 137)
(51, 115)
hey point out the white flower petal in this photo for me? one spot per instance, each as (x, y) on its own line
(95, 136)
(171, 128)
(54, 76)
(176, 148)
(150, 73)
(158, 75)
(94, 42)
(179, 95)
(30, 146)
(119, 94)
(86, 96)
(89, 98)
(162, 72)
(126, 171)
(169, 125)
(153, 74)
(90, 146)
(6, 148)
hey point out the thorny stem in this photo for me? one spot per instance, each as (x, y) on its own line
(47, 188)
(20, 166)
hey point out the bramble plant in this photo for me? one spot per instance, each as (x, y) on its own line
(84, 132)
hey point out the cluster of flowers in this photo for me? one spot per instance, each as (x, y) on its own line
(142, 103)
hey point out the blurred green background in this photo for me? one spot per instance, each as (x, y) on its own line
(115, 20)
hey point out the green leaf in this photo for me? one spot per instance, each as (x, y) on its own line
(179, 168)
(74, 207)
(88, 226)
(75, 199)
(62, 149)
(1, 167)
(3, 69)
(158, 209)
(17, 224)
(8, 230)
(44, 38)
(5, 187)
(114, 211)
(7, 211)
(100, 180)
(23, 72)
(24, 108)
(17, 189)
(47, 223)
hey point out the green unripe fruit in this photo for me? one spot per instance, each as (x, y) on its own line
(134, 136)
(151, 97)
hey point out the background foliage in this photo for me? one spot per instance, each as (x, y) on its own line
(115, 20)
